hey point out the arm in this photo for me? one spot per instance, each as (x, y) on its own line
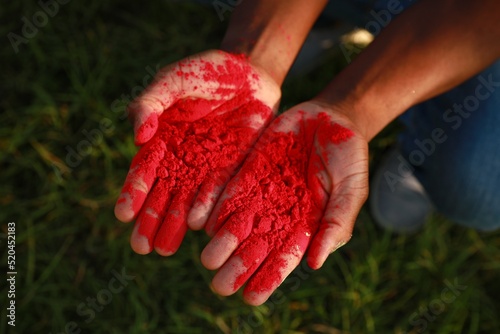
(271, 33)
(429, 49)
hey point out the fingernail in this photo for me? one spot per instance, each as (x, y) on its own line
(339, 244)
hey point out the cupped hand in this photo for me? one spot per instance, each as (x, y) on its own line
(196, 123)
(300, 189)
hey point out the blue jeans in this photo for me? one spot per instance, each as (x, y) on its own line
(453, 142)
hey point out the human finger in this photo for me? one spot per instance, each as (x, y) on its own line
(236, 271)
(336, 226)
(174, 227)
(206, 199)
(277, 266)
(140, 178)
(150, 218)
(237, 228)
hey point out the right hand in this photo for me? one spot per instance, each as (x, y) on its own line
(197, 122)
(300, 189)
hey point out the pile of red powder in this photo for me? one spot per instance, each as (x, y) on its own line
(276, 209)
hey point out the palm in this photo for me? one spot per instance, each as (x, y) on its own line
(299, 189)
(198, 121)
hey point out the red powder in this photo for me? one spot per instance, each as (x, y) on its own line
(147, 129)
(196, 139)
(336, 134)
(277, 202)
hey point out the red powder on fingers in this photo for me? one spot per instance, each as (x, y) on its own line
(147, 129)
(170, 235)
(275, 193)
(139, 180)
(200, 137)
(253, 252)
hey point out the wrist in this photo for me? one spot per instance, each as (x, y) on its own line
(258, 57)
(367, 111)
(271, 33)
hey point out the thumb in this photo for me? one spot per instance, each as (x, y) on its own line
(146, 108)
(145, 120)
(336, 226)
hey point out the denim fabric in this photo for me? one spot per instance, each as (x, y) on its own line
(453, 141)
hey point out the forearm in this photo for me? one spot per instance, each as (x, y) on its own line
(271, 33)
(429, 49)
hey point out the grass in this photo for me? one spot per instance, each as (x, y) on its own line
(69, 245)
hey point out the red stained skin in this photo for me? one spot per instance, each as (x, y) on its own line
(195, 139)
(279, 201)
(147, 129)
(170, 235)
(141, 164)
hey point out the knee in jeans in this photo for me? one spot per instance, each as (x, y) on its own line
(468, 200)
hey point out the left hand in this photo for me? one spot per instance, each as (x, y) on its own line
(196, 123)
(301, 188)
